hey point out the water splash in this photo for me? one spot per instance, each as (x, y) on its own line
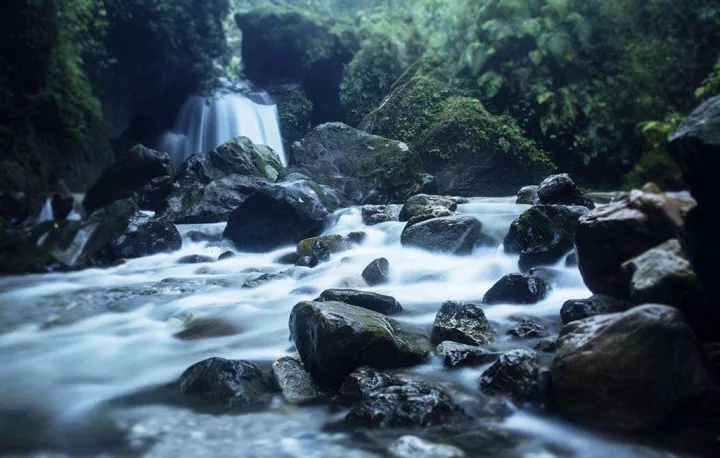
(204, 124)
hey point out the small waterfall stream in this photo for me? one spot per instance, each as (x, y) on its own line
(203, 124)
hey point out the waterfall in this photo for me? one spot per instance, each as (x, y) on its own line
(204, 124)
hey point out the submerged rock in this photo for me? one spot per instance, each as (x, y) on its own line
(631, 370)
(207, 327)
(461, 355)
(376, 214)
(226, 385)
(377, 272)
(517, 289)
(333, 339)
(515, 374)
(414, 447)
(462, 323)
(379, 303)
(295, 383)
(561, 190)
(452, 235)
(599, 304)
(195, 259)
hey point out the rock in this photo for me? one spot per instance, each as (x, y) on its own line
(295, 383)
(700, 242)
(152, 196)
(294, 111)
(262, 279)
(379, 303)
(460, 355)
(528, 328)
(240, 156)
(414, 447)
(335, 243)
(462, 323)
(572, 259)
(543, 234)
(62, 205)
(195, 259)
(611, 235)
(377, 272)
(515, 374)
(417, 205)
(527, 195)
(226, 255)
(191, 172)
(381, 400)
(366, 168)
(517, 289)
(226, 385)
(652, 188)
(376, 214)
(304, 291)
(307, 261)
(274, 217)
(207, 327)
(144, 236)
(561, 190)
(17, 207)
(629, 371)
(351, 282)
(197, 236)
(333, 339)
(551, 275)
(599, 304)
(135, 169)
(547, 345)
(289, 258)
(429, 212)
(453, 235)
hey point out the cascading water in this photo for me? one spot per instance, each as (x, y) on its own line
(206, 123)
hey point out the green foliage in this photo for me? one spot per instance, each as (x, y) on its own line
(711, 85)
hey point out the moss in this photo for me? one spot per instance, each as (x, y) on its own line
(294, 113)
(656, 166)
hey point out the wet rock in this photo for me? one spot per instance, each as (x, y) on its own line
(462, 323)
(429, 212)
(144, 236)
(191, 172)
(543, 234)
(335, 243)
(226, 385)
(262, 279)
(551, 275)
(417, 205)
(152, 196)
(195, 259)
(453, 235)
(517, 289)
(414, 447)
(226, 255)
(207, 327)
(124, 179)
(547, 345)
(599, 304)
(379, 303)
(240, 156)
(630, 370)
(197, 236)
(289, 258)
(388, 401)
(528, 328)
(295, 383)
(611, 235)
(700, 241)
(460, 355)
(333, 339)
(377, 272)
(307, 261)
(376, 214)
(561, 190)
(515, 375)
(16, 208)
(527, 195)
(272, 218)
(304, 291)
(572, 259)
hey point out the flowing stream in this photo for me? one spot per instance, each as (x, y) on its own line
(81, 353)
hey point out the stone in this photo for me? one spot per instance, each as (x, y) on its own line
(547, 345)
(527, 195)
(630, 371)
(561, 190)
(417, 204)
(226, 255)
(461, 355)
(335, 243)
(144, 236)
(515, 375)
(152, 196)
(226, 385)
(295, 383)
(452, 235)
(195, 259)
(413, 447)
(198, 236)
(429, 212)
(379, 303)
(462, 323)
(517, 289)
(376, 214)
(240, 156)
(207, 327)
(702, 246)
(262, 279)
(528, 328)
(333, 339)
(543, 234)
(377, 272)
(599, 304)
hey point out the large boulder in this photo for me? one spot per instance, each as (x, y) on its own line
(608, 236)
(367, 168)
(543, 234)
(294, 111)
(127, 177)
(517, 289)
(599, 304)
(452, 234)
(275, 217)
(376, 214)
(462, 323)
(144, 236)
(240, 156)
(561, 190)
(377, 272)
(333, 339)
(387, 305)
(631, 370)
(418, 204)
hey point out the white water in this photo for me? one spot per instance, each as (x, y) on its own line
(204, 124)
(60, 377)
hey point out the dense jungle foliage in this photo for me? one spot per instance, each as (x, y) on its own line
(598, 84)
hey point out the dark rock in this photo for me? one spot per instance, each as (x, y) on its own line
(274, 217)
(197, 236)
(207, 327)
(611, 235)
(62, 205)
(192, 172)
(453, 235)
(543, 234)
(414, 447)
(462, 323)
(631, 370)
(528, 328)
(460, 355)
(551, 275)
(547, 345)
(527, 195)
(333, 339)
(335, 243)
(240, 156)
(295, 383)
(416, 205)
(152, 196)
(144, 236)
(307, 261)
(287, 176)
(226, 384)
(702, 246)
(262, 279)
(195, 259)
(572, 259)
(517, 289)
(294, 111)
(562, 190)
(515, 375)
(599, 304)
(377, 272)
(135, 169)
(304, 291)
(386, 305)
(226, 255)
(17, 208)
(376, 214)
(288, 258)
(366, 168)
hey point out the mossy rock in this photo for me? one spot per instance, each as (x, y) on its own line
(294, 112)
